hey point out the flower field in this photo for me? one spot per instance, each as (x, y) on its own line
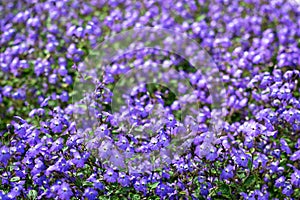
(149, 99)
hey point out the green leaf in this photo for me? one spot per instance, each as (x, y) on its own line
(249, 164)
(153, 185)
(200, 17)
(241, 175)
(250, 181)
(225, 190)
(15, 179)
(86, 183)
(182, 193)
(134, 196)
(297, 193)
(32, 194)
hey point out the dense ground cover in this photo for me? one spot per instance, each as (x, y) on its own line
(46, 152)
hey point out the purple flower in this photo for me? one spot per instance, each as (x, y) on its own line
(78, 161)
(252, 128)
(20, 129)
(15, 192)
(297, 145)
(227, 173)
(116, 158)
(262, 159)
(284, 146)
(163, 139)
(154, 145)
(242, 159)
(123, 179)
(280, 182)
(90, 193)
(4, 155)
(105, 149)
(56, 126)
(122, 142)
(249, 142)
(170, 121)
(288, 190)
(295, 178)
(64, 96)
(262, 195)
(72, 140)
(110, 176)
(162, 190)
(295, 156)
(61, 165)
(6, 91)
(53, 79)
(258, 64)
(212, 154)
(38, 167)
(141, 185)
(57, 145)
(274, 167)
(45, 102)
(101, 131)
(204, 190)
(65, 191)
(98, 185)
(3, 196)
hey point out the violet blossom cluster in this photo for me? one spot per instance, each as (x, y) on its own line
(46, 154)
